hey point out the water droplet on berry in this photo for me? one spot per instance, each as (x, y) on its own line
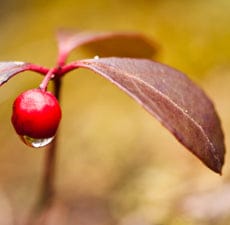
(36, 143)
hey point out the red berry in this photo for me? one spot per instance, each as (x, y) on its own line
(36, 114)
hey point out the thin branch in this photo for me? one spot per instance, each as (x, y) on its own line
(48, 185)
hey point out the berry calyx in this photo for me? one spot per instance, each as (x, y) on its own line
(36, 114)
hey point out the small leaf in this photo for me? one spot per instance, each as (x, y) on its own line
(9, 69)
(107, 43)
(181, 106)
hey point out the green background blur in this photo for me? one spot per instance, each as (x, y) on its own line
(116, 164)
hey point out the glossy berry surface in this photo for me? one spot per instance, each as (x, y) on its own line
(36, 114)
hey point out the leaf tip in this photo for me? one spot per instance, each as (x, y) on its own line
(217, 167)
(219, 170)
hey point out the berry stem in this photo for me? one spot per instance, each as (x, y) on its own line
(47, 78)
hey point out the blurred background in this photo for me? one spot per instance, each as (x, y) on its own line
(116, 164)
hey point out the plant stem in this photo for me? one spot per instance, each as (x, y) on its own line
(48, 187)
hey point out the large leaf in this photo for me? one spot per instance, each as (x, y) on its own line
(107, 43)
(181, 106)
(9, 69)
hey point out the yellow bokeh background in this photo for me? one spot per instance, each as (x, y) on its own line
(116, 164)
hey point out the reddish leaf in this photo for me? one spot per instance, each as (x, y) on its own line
(107, 44)
(181, 106)
(9, 69)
